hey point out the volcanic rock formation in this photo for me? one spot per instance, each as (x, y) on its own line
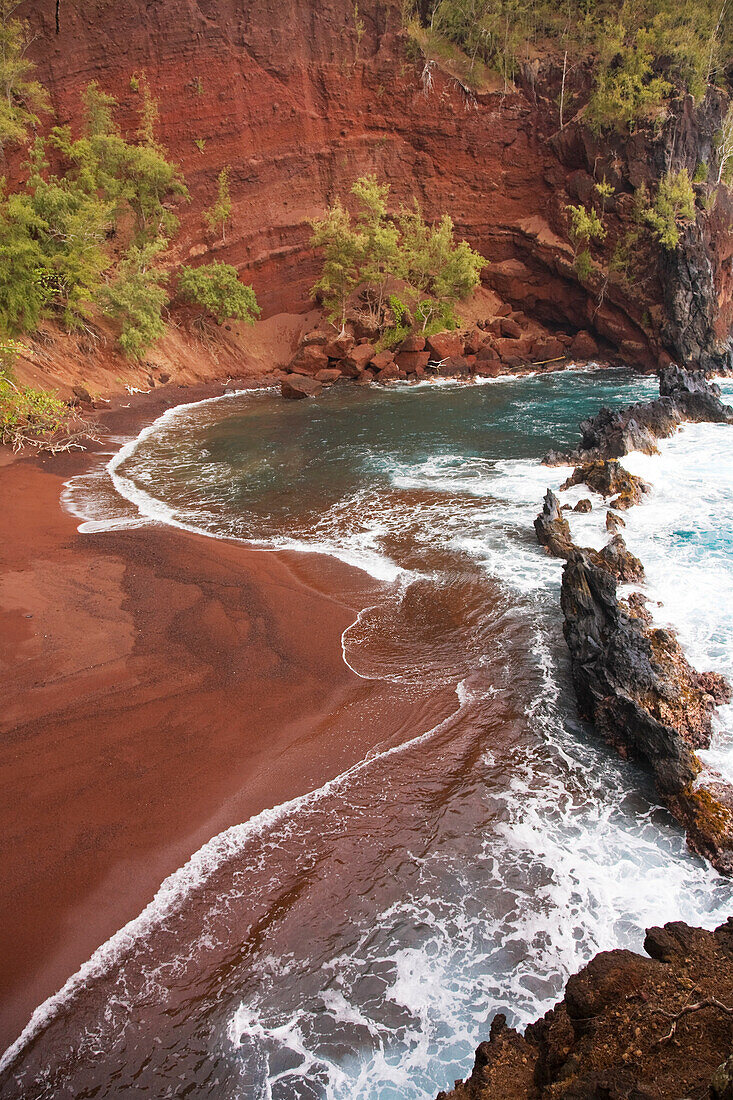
(629, 1027)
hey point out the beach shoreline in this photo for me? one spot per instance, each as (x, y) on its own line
(159, 686)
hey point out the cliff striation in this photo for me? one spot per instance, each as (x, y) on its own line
(299, 101)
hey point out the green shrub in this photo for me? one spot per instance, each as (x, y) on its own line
(673, 207)
(217, 289)
(137, 298)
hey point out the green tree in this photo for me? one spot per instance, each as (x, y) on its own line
(217, 216)
(626, 88)
(76, 219)
(22, 289)
(438, 271)
(217, 289)
(380, 240)
(343, 256)
(673, 207)
(21, 98)
(137, 297)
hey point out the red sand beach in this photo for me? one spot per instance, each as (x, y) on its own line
(157, 687)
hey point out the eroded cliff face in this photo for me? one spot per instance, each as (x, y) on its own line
(288, 97)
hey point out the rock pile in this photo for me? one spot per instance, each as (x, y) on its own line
(504, 344)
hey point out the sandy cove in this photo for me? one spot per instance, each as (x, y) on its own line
(158, 687)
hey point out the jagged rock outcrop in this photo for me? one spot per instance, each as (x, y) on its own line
(553, 532)
(634, 683)
(609, 479)
(630, 1027)
(552, 529)
(612, 433)
(632, 680)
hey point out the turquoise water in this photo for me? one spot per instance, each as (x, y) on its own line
(355, 942)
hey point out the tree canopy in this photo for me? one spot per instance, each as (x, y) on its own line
(373, 248)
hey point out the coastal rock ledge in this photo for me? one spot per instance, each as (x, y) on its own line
(630, 1027)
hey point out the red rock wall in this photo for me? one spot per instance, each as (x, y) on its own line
(277, 92)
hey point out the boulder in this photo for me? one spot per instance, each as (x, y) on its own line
(614, 522)
(547, 349)
(297, 386)
(412, 361)
(487, 354)
(488, 368)
(382, 359)
(330, 374)
(389, 373)
(474, 341)
(510, 328)
(514, 349)
(315, 337)
(339, 347)
(454, 367)
(308, 360)
(444, 345)
(583, 346)
(357, 359)
(583, 505)
(413, 342)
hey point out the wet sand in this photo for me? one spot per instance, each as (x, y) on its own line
(157, 687)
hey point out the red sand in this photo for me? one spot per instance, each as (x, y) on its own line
(157, 687)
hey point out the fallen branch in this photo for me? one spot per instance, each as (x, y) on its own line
(708, 1002)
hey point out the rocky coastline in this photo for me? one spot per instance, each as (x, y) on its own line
(505, 341)
(632, 679)
(631, 1026)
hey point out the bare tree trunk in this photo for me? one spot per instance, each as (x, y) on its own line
(562, 89)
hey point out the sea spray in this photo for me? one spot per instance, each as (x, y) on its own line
(468, 873)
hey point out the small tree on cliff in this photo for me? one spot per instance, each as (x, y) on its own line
(343, 257)
(217, 289)
(217, 216)
(21, 99)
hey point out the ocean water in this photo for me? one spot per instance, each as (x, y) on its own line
(355, 942)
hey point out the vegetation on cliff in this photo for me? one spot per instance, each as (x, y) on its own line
(640, 53)
(375, 251)
(86, 229)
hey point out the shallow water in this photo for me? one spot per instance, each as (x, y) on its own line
(356, 942)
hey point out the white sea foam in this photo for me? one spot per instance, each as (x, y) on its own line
(177, 887)
(580, 862)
